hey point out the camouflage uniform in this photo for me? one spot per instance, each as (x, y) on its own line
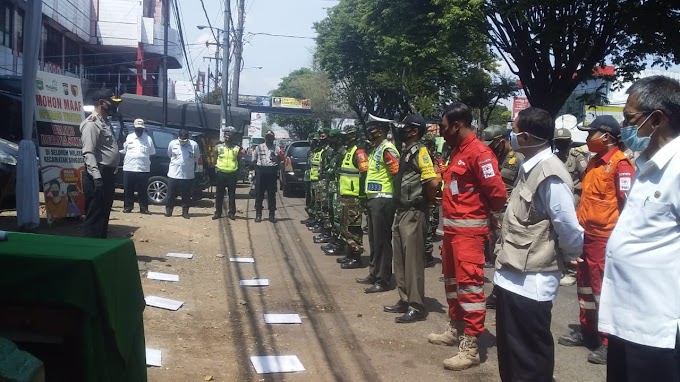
(309, 185)
(433, 209)
(577, 162)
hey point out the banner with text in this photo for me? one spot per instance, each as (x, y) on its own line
(291, 103)
(58, 114)
(519, 104)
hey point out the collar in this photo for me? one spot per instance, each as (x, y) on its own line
(530, 163)
(661, 158)
(608, 155)
(466, 142)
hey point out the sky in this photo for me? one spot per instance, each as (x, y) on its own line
(277, 56)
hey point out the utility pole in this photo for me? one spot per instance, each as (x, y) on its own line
(217, 57)
(166, 25)
(225, 63)
(238, 53)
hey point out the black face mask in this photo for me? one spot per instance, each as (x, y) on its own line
(110, 108)
(269, 140)
(139, 132)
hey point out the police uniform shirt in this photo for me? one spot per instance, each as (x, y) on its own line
(263, 156)
(183, 158)
(138, 152)
(99, 145)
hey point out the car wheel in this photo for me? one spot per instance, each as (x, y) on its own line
(158, 190)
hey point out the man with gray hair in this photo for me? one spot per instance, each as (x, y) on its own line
(639, 303)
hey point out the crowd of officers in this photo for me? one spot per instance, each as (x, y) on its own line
(401, 190)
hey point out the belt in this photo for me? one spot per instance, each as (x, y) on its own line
(379, 195)
(466, 223)
(225, 172)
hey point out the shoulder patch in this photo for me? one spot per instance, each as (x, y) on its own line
(512, 161)
(92, 118)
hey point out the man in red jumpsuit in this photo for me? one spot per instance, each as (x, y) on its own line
(473, 189)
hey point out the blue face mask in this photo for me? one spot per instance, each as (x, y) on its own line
(629, 136)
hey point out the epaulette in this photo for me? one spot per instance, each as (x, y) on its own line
(92, 118)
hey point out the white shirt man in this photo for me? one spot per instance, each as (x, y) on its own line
(138, 149)
(184, 154)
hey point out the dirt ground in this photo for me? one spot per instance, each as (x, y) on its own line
(344, 335)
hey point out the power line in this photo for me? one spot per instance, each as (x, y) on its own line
(280, 35)
(205, 12)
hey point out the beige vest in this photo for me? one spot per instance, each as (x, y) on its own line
(528, 240)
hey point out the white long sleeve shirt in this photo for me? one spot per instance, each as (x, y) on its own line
(557, 201)
(138, 152)
(640, 299)
(183, 159)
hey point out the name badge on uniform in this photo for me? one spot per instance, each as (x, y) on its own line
(453, 186)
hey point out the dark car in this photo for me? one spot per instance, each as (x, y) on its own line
(157, 189)
(292, 174)
(9, 152)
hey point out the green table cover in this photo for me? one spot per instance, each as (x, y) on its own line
(100, 278)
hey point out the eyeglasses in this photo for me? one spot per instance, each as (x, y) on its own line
(628, 116)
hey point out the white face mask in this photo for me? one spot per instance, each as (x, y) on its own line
(514, 143)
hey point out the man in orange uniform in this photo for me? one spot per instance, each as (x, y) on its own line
(473, 189)
(605, 186)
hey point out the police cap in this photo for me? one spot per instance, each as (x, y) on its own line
(562, 133)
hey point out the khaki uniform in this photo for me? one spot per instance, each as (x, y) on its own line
(577, 162)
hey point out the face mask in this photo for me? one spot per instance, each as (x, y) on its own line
(139, 132)
(597, 145)
(514, 143)
(111, 108)
(55, 192)
(374, 135)
(183, 141)
(450, 138)
(629, 136)
(404, 135)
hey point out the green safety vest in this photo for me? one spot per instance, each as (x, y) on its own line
(378, 178)
(227, 158)
(349, 175)
(316, 163)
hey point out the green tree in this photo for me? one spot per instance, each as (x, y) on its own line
(554, 45)
(500, 115)
(214, 97)
(482, 92)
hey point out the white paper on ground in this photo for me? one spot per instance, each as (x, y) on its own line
(164, 303)
(282, 319)
(241, 259)
(154, 357)
(276, 364)
(162, 276)
(255, 282)
(180, 255)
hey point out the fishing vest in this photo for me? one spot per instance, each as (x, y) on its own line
(227, 158)
(349, 175)
(408, 189)
(378, 177)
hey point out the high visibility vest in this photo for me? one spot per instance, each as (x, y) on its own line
(598, 210)
(378, 178)
(227, 158)
(316, 163)
(349, 175)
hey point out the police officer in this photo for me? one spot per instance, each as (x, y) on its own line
(415, 187)
(226, 172)
(184, 154)
(576, 160)
(101, 155)
(266, 161)
(313, 143)
(383, 166)
(353, 170)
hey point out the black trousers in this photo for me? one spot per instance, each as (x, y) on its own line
(308, 198)
(266, 178)
(380, 218)
(631, 362)
(179, 187)
(98, 205)
(135, 182)
(228, 181)
(526, 351)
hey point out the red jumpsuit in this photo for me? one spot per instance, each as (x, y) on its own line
(473, 188)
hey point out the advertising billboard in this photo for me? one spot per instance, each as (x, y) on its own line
(291, 103)
(254, 100)
(519, 104)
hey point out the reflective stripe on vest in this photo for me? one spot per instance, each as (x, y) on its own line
(227, 158)
(378, 178)
(316, 163)
(466, 223)
(349, 175)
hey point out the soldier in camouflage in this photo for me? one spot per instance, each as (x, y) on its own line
(433, 209)
(326, 176)
(337, 242)
(313, 144)
(318, 183)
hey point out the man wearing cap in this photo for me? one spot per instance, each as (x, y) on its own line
(138, 149)
(228, 158)
(383, 166)
(266, 160)
(184, 154)
(101, 155)
(415, 188)
(605, 185)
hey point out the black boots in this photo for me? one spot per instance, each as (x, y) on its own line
(272, 216)
(258, 216)
(185, 213)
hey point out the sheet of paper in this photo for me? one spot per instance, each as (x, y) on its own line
(255, 282)
(180, 255)
(241, 259)
(282, 319)
(164, 303)
(277, 364)
(162, 276)
(154, 357)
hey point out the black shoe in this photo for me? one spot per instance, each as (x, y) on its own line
(317, 229)
(127, 210)
(168, 213)
(430, 261)
(311, 223)
(272, 217)
(352, 264)
(342, 260)
(328, 246)
(489, 265)
(598, 356)
(400, 307)
(377, 288)
(413, 315)
(232, 216)
(368, 280)
(334, 251)
(258, 218)
(144, 212)
(321, 240)
(314, 226)
(216, 216)
(185, 215)
(577, 339)
(365, 230)
(306, 221)
(491, 301)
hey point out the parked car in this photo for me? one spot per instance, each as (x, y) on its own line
(157, 189)
(9, 152)
(292, 172)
